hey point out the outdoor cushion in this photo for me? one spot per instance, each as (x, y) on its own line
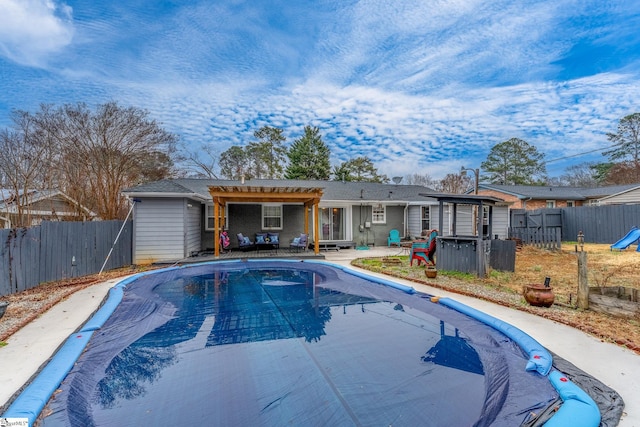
(299, 242)
(273, 238)
(261, 238)
(244, 241)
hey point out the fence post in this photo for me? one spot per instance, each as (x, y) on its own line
(583, 284)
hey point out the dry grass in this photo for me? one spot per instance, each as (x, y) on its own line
(605, 268)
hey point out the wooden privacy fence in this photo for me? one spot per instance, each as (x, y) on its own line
(599, 224)
(60, 250)
(546, 238)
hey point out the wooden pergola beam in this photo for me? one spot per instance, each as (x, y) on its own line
(309, 197)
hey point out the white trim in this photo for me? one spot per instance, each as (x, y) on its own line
(384, 213)
(159, 195)
(207, 216)
(262, 216)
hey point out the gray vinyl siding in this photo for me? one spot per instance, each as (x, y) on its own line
(464, 220)
(193, 225)
(159, 231)
(414, 220)
(500, 224)
(627, 198)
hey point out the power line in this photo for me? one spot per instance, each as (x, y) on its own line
(579, 154)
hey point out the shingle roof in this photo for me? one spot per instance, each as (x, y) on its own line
(332, 190)
(558, 193)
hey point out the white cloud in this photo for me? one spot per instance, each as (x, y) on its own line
(416, 87)
(32, 30)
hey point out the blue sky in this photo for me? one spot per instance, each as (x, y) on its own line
(417, 86)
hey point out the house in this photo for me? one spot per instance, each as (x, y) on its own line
(37, 206)
(531, 197)
(175, 218)
(628, 194)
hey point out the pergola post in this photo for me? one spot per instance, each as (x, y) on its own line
(222, 195)
(316, 226)
(216, 228)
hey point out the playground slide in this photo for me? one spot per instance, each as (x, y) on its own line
(631, 237)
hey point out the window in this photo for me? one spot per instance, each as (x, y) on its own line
(272, 217)
(209, 220)
(551, 203)
(570, 203)
(425, 221)
(378, 215)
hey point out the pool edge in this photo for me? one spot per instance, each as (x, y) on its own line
(577, 403)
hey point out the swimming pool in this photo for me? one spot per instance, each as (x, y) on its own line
(299, 343)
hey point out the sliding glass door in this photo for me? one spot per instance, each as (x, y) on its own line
(332, 224)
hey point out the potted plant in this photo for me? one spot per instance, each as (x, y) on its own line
(539, 295)
(430, 271)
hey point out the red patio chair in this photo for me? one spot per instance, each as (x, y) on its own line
(424, 250)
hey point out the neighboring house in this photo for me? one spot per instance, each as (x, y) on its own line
(174, 219)
(38, 206)
(533, 197)
(614, 195)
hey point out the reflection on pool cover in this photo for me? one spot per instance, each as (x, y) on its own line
(268, 343)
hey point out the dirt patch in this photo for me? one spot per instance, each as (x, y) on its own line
(605, 268)
(28, 305)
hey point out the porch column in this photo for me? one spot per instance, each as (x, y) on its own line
(316, 227)
(306, 217)
(216, 228)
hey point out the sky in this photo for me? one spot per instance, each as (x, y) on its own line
(422, 86)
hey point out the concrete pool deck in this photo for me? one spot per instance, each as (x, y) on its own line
(616, 367)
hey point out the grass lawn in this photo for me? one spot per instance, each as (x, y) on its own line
(605, 268)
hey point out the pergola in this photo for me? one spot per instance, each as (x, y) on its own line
(309, 197)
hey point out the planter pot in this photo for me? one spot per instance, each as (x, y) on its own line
(539, 295)
(430, 272)
(3, 307)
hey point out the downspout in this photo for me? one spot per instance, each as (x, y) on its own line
(406, 219)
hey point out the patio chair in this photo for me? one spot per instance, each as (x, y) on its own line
(244, 242)
(394, 238)
(424, 250)
(300, 242)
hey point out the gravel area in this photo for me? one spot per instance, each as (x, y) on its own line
(28, 305)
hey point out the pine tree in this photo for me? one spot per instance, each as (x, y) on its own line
(309, 157)
(514, 162)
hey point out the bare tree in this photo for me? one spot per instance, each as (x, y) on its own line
(101, 153)
(421, 179)
(23, 153)
(202, 162)
(580, 175)
(453, 183)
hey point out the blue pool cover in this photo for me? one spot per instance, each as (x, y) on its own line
(295, 343)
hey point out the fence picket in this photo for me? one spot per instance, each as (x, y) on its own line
(46, 252)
